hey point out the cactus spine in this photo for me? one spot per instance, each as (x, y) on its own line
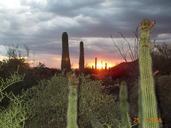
(147, 90)
(72, 101)
(124, 107)
(81, 60)
(65, 63)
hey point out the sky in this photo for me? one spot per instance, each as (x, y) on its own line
(39, 24)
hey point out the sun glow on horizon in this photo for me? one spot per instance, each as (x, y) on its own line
(54, 61)
(3, 57)
(101, 65)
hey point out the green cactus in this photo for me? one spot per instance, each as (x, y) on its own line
(65, 63)
(72, 102)
(81, 60)
(148, 103)
(124, 107)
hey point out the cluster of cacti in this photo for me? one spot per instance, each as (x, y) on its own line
(72, 81)
(148, 104)
(124, 106)
(81, 60)
(65, 63)
(72, 101)
(147, 97)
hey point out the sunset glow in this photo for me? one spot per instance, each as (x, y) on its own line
(54, 61)
(89, 64)
(102, 65)
(3, 58)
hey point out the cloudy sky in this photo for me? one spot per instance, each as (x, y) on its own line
(38, 24)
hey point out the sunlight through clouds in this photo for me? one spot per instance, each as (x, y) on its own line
(39, 2)
(10, 4)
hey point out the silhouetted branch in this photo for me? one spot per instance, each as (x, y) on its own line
(120, 50)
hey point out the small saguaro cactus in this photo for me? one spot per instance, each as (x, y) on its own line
(72, 101)
(81, 60)
(124, 106)
(148, 113)
(65, 62)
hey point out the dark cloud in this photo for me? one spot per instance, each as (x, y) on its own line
(39, 24)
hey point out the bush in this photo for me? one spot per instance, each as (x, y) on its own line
(48, 104)
(15, 114)
(164, 99)
(11, 66)
(95, 104)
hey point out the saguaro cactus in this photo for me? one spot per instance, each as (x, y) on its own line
(65, 62)
(95, 62)
(124, 107)
(81, 60)
(148, 112)
(72, 101)
(105, 66)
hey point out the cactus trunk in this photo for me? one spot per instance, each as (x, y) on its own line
(124, 107)
(81, 60)
(65, 63)
(148, 112)
(72, 102)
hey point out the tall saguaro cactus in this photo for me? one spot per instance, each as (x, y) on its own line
(65, 62)
(148, 104)
(72, 101)
(81, 60)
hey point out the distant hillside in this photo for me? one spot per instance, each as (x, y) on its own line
(125, 69)
(122, 70)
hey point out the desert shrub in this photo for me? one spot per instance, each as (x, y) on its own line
(164, 99)
(95, 104)
(11, 66)
(15, 114)
(133, 99)
(48, 104)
